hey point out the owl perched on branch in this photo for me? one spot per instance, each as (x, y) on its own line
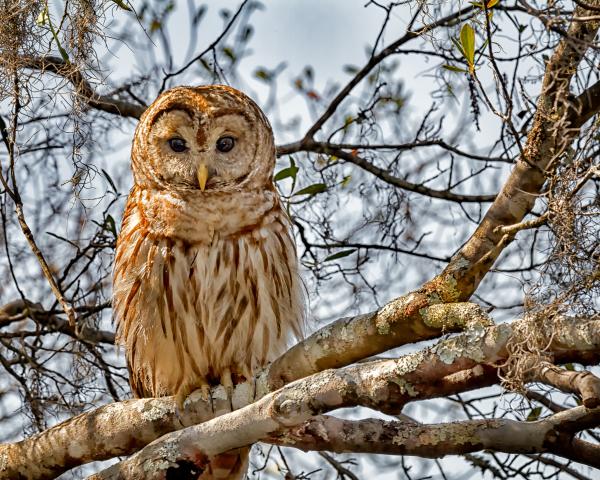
(206, 287)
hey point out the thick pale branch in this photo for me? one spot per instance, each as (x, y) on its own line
(383, 385)
(407, 319)
(454, 365)
(435, 441)
(111, 430)
(551, 133)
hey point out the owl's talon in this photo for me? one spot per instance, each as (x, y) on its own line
(205, 392)
(180, 399)
(227, 383)
(186, 390)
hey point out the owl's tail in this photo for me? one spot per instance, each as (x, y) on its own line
(231, 465)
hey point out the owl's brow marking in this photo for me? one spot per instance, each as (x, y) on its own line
(232, 111)
(175, 107)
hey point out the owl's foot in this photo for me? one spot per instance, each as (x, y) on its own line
(227, 383)
(185, 390)
(249, 378)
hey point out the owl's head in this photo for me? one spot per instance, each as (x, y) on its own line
(205, 139)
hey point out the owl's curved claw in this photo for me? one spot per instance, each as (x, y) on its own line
(186, 390)
(205, 392)
(206, 395)
(180, 397)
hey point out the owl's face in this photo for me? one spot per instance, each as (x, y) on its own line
(203, 139)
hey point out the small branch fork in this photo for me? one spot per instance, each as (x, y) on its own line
(58, 66)
(331, 149)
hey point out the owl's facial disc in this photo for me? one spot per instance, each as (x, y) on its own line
(205, 151)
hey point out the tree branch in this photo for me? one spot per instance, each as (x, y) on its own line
(386, 386)
(318, 147)
(103, 103)
(584, 384)
(437, 440)
(454, 365)
(19, 310)
(376, 60)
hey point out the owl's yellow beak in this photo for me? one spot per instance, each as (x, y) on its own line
(202, 176)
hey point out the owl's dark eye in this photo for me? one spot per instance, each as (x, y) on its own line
(178, 144)
(225, 144)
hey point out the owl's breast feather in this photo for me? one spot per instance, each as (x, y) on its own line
(187, 309)
(195, 218)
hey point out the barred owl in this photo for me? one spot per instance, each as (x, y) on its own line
(205, 287)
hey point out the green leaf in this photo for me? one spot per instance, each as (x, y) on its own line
(42, 18)
(288, 172)
(122, 4)
(342, 254)
(155, 25)
(229, 53)
(312, 189)
(62, 51)
(110, 181)
(350, 69)
(206, 65)
(534, 414)
(467, 41)
(452, 68)
(458, 45)
(264, 75)
(570, 367)
(109, 224)
(346, 181)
